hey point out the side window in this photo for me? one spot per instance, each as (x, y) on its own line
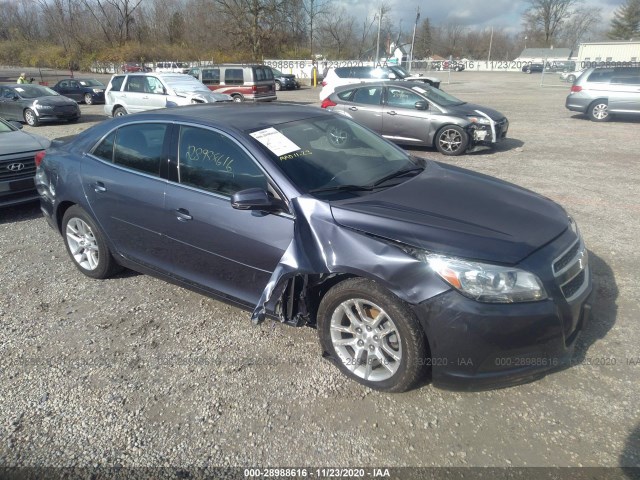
(195, 72)
(401, 98)
(74, 85)
(139, 147)
(116, 83)
(346, 95)
(135, 83)
(153, 85)
(104, 150)
(600, 75)
(64, 84)
(213, 162)
(233, 76)
(368, 96)
(211, 76)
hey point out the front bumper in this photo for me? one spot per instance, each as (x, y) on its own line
(485, 135)
(57, 114)
(480, 345)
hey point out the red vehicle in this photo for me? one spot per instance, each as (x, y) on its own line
(243, 82)
(131, 68)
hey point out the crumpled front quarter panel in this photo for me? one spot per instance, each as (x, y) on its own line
(320, 246)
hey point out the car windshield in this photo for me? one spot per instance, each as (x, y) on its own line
(438, 96)
(276, 72)
(90, 83)
(5, 127)
(185, 83)
(34, 91)
(324, 156)
(400, 71)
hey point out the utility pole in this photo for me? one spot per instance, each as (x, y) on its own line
(311, 15)
(378, 41)
(413, 39)
(490, 44)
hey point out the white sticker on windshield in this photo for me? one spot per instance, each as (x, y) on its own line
(18, 89)
(275, 141)
(419, 89)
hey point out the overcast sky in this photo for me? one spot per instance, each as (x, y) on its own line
(505, 14)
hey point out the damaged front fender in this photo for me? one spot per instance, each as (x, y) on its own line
(320, 246)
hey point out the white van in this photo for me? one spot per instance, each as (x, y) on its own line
(171, 67)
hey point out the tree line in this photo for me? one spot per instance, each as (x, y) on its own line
(77, 33)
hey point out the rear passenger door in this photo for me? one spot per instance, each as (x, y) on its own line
(143, 92)
(625, 91)
(365, 107)
(124, 181)
(214, 246)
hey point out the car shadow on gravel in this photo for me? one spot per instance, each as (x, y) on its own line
(504, 146)
(20, 213)
(604, 307)
(619, 119)
(630, 457)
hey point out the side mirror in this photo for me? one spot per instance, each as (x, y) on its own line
(253, 199)
(16, 97)
(421, 105)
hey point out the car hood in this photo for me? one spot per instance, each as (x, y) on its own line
(55, 100)
(18, 141)
(205, 96)
(286, 75)
(457, 212)
(472, 109)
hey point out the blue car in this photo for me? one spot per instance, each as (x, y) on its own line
(87, 90)
(403, 265)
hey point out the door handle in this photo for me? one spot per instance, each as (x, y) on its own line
(99, 187)
(391, 113)
(353, 109)
(183, 215)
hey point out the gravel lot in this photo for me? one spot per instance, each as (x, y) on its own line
(133, 371)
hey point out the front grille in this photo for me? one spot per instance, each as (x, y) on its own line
(64, 110)
(571, 270)
(19, 167)
(571, 288)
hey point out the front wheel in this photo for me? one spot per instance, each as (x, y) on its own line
(571, 79)
(86, 244)
(338, 136)
(278, 86)
(31, 118)
(373, 336)
(452, 140)
(599, 111)
(88, 99)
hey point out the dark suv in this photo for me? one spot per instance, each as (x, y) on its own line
(284, 81)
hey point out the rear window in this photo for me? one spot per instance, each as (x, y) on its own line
(353, 72)
(601, 75)
(116, 82)
(263, 73)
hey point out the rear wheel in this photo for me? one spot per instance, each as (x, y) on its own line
(571, 78)
(338, 136)
(452, 140)
(88, 99)
(278, 86)
(599, 111)
(31, 118)
(86, 244)
(373, 336)
(119, 112)
(237, 98)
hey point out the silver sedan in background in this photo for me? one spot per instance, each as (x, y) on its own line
(412, 113)
(34, 104)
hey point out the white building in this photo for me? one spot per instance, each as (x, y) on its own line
(609, 52)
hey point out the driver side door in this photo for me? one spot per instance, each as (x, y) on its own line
(402, 121)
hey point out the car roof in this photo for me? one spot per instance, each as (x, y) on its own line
(241, 116)
(383, 83)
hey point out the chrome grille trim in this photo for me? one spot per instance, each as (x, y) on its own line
(568, 265)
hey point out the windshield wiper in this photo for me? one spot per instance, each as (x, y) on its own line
(343, 188)
(399, 173)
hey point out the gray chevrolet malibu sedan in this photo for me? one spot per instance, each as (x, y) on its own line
(412, 113)
(402, 265)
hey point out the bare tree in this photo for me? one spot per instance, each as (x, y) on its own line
(582, 23)
(547, 16)
(337, 33)
(115, 17)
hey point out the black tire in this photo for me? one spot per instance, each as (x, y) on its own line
(278, 86)
(120, 112)
(404, 338)
(571, 79)
(237, 98)
(451, 140)
(527, 70)
(599, 111)
(86, 245)
(31, 118)
(88, 99)
(339, 136)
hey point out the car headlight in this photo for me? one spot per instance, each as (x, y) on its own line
(485, 282)
(97, 90)
(573, 226)
(478, 119)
